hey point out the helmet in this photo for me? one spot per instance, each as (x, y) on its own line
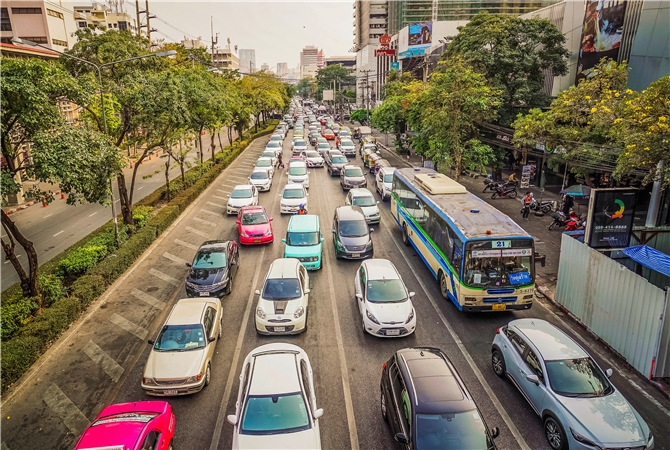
(302, 206)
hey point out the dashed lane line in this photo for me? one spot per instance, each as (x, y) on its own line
(218, 197)
(91, 215)
(198, 232)
(204, 222)
(185, 244)
(163, 276)
(129, 326)
(207, 211)
(106, 362)
(71, 416)
(222, 191)
(216, 204)
(61, 231)
(147, 298)
(174, 258)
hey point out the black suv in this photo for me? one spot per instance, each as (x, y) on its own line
(351, 236)
(427, 405)
(335, 161)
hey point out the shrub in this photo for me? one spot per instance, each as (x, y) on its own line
(14, 315)
(88, 288)
(51, 288)
(81, 260)
(164, 218)
(141, 215)
(18, 354)
(51, 322)
(117, 263)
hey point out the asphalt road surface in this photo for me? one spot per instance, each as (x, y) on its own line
(346, 361)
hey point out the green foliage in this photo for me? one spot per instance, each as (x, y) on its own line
(360, 116)
(334, 73)
(87, 288)
(18, 354)
(307, 87)
(141, 214)
(51, 289)
(81, 260)
(16, 314)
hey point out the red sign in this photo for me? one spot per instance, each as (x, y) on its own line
(385, 52)
(385, 40)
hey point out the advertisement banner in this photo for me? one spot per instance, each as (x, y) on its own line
(420, 35)
(395, 65)
(328, 95)
(385, 52)
(610, 218)
(601, 34)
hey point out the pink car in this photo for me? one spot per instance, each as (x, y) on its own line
(131, 426)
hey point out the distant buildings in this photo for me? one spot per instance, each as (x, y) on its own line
(265, 67)
(282, 69)
(103, 17)
(225, 58)
(348, 62)
(320, 59)
(44, 22)
(247, 60)
(308, 57)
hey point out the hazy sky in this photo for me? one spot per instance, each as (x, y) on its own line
(277, 30)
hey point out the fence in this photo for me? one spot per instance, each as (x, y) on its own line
(619, 306)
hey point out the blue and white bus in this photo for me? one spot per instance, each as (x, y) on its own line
(482, 259)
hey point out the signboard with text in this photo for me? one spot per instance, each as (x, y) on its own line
(395, 65)
(610, 218)
(385, 52)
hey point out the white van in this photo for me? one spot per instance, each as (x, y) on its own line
(384, 182)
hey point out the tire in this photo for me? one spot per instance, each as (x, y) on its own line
(512, 194)
(498, 363)
(546, 209)
(554, 433)
(443, 284)
(494, 195)
(208, 375)
(552, 224)
(383, 406)
(405, 236)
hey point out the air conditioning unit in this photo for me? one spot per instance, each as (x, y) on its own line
(439, 184)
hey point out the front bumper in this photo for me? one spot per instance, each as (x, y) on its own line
(346, 186)
(309, 265)
(510, 307)
(174, 390)
(389, 330)
(314, 164)
(206, 291)
(290, 209)
(290, 326)
(262, 188)
(250, 240)
(348, 254)
(373, 219)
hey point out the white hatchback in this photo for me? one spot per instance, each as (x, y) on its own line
(242, 195)
(276, 404)
(292, 197)
(298, 173)
(261, 179)
(265, 163)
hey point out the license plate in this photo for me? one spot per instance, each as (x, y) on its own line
(256, 241)
(355, 255)
(170, 392)
(499, 307)
(280, 329)
(393, 332)
(204, 294)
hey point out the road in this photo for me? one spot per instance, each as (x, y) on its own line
(98, 362)
(56, 227)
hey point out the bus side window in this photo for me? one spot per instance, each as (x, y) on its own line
(458, 251)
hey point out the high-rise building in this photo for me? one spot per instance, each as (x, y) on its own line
(44, 22)
(282, 69)
(369, 22)
(247, 60)
(265, 67)
(320, 59)
(308, 57)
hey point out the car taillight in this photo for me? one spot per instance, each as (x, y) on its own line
(384, 366)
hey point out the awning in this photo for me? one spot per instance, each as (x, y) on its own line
(649, 258)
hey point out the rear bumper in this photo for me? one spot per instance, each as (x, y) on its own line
(256, 240)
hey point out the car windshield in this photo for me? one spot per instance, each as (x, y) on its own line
(268, 154)
(346, 143)
(259, 175)
(578, 377)
(388, 178)
(353, 228)
(300, 143)
(383, 291)
(303, 238)
(275, 138)
(281, 289)
(322, 140)
(339, 159)
(293, 193)
(483, 271)
(297, 171)
(353, 172)
(364, 200)
(180, 338)
(254, 218)
(455, 431)
(312, 154)
(344, 133)
(275, 414)
(273, 144)
(209, 259)
(264, 163)
(241, 193)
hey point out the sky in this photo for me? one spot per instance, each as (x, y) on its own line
(277, 30)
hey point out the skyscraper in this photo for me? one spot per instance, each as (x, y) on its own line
(282, 69)
(308, 57)
(320, 60)
(247, 60)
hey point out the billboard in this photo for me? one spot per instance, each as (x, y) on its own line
(601, 34)
(328, 94)
(610, 219)
(420, 35)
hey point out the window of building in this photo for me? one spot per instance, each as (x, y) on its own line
(123, 25)
(53, 13)
(59, 42)
(115, 25)
(5, 23)
(36, 39)
(6, 40)
(26, 10)
(81, 24)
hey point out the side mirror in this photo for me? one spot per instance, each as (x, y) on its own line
(533, 378)
(308, 194)
(377, 201)
(271, 219)
(412, 294)
(400, 437)
(371, 229)
(359, 296)
(307, 291)
(495, 432)
(237, 222)
(227, 195)
(212, 338)
(609, 373)
(333, 231)
(321, 239)
(257, 292)
(232, 419)
(151, 341)
(318, 413)
(188, 264)
(284, 240)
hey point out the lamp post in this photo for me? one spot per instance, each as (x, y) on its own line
(98, 69)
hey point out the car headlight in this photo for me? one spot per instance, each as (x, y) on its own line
(339, 245)
(369, 245)
(149, 381)
(260, 313)
(194, 378)
(191, 285)
(244, 234)
(387, 189)
(579, 438)
(411, 316)
(650, 438)
(299, 312)
(268, 233)
(371, 317)
(221, 283)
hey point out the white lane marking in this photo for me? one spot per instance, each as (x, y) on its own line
(204, 222)
(163, 276)
(71, 416)
(207, 211)
(61, 231)
(216, 204)
(91, 215)
(48, 215)
(186, 244)
(3, 446)
(129, 326)
(174, 258)
(218, 197)
(222, 191)
(147, 298)
(198, 232)
(501, 410)
(117, 200)
(98, 355)
(619, 369)
(141, 187)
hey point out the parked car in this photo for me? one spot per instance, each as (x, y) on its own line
(265, 163)
(254, 226)
(270, 154)
(364, 198)
(241, 195)
(579, 405)
(352, 176)
(351, 237)
(312, 158)
(213, 269)
(180, 361)
(298, 173)
(384, 182)
(131, 426)
(347, 147)
(276, 403)
(304, 240)
(260, 178)
(427, 405)
(292, 197)
(335, 161)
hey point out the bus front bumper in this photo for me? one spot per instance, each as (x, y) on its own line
(496, 307)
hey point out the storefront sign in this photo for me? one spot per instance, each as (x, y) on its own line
(610, 219)
(385, 52)
(395, 65)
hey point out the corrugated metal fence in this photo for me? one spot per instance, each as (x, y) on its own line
(619, 306)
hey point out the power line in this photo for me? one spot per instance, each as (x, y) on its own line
(162, 21)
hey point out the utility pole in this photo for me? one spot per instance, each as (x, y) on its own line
(215, 41)
(425, 69)
(146, 8)
(137, 13)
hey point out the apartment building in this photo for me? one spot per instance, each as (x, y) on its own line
(370, 23)
(282, 69)
(44, 22)
(101, 16)
(225, 58)
(308, 58)
(247, 60)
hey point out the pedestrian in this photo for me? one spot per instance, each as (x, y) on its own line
(568, 203)
(280, 163)
(526, 201)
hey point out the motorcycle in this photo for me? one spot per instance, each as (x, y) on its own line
(504, 191)
(546, 206)
(561, 220)
(574, 224)
(491, 185)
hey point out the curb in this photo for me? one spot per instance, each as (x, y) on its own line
(9, 212)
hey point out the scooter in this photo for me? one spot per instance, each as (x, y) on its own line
(574, 224)
(546, 206)
(561, 220)
(504, 191)
(491, 185)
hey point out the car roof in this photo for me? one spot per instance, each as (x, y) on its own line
(284, 268)
(252, 209)
(433, 385)
(360, 192)
(188, 311)
(387, 170)
(307, 222)
(261, 169)
(351, 166)
(207, 245)
(298, 161)
(264, 158)
(550, 341)
(277, 369)
(242, 186)
(380, 269)
(294, 186)
(349, 212)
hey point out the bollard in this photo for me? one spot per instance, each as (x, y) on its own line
(62, 196)
(44, 202)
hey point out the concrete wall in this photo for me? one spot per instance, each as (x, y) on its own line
(650, 56)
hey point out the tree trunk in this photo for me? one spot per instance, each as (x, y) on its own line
(230, 135)
(202, 157)
(126, 208)
(167, 177)
(218, 135)
(212, 144)
(29, 284)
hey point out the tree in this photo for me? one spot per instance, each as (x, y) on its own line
(514, 54)
(202, 101)
(360, 116)
(307, 87)
(334, 73)
(186, 57)
(391, 115)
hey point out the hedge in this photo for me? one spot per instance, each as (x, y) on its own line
(88, 288)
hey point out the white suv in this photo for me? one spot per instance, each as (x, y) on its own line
(384, 182)
(292, 197)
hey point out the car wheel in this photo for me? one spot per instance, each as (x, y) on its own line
(498, 363)
(170, 446)
(383, 406)
(208, 375)
(554, 433)
(405, 237)
(443, 285)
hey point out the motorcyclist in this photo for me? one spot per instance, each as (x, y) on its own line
(513, 179)
(302, 211)
(573, 222)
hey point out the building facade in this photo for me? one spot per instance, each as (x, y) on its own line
(308, 57)
(370, 23)
(101, 16)
(247, 60)
(225, 58)
(348, 62)
(44, 22)
(321, 59)
(282, 69)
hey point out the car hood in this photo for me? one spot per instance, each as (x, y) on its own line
(293, 201)
(240, 201)
(300, 147)
(370, 210)
(315, 159)
(339, 165)
(362, 240)
(308, 439)
(354, 179)
(294, 251)
(609, 419)
(256, 229)
(348, 147)
(171, 364)
(206, 277)
(259, 182)
(281, 307)
(298, 177)
(390, 312)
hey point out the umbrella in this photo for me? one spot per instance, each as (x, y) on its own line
(577, 190)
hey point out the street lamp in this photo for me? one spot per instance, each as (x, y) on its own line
(18, 41)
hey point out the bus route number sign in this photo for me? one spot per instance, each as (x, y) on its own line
(502, 244)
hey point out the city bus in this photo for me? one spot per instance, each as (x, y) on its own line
(482, 260)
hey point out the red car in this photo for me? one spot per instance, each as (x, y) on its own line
(323, 121)
(328, 134)
(254, 226)
(131, 426)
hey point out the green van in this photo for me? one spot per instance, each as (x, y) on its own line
(303, 240)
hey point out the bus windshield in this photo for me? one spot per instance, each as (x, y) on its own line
(486, 267)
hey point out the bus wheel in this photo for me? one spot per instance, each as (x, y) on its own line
(443, 284)
(405, 237)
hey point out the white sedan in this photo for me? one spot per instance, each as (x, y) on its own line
(261, 179)
(383, 301)
(312, 158)
(368, 203)
(276, 405)
(292, 197)
(299, 145)
(242, 195)
(265, 163)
